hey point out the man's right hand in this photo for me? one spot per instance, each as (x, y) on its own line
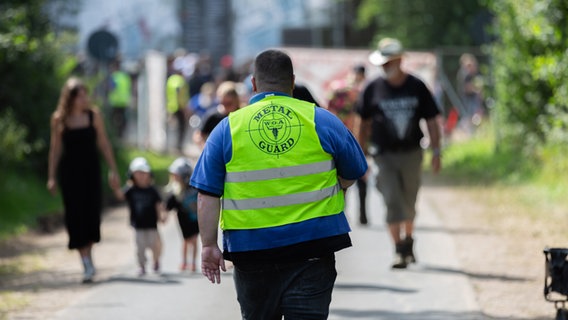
(211, 261)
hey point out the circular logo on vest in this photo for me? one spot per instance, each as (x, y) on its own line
(275, 129)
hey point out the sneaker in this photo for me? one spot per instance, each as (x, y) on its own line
(88, 275)
(142, 272)
(89, 272)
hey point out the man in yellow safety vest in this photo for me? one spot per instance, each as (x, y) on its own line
(274, 175)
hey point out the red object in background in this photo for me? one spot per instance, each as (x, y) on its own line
(451, 121)
(226, 61)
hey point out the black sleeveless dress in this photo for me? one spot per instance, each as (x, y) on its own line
(81, 185)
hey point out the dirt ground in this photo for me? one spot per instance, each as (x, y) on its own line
(502, 256)
(39, 276)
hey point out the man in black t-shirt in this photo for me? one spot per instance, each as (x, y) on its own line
(391, 108)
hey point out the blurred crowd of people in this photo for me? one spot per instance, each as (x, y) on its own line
(382, 114)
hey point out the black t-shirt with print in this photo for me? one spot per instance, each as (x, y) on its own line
(396, 112)
(142, 203)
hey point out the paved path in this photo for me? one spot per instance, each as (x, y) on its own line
(366, 287)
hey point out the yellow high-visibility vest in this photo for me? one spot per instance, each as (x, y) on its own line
(119, 96)
(177, 93)
(279, 173)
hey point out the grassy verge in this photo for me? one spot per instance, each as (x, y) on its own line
(23, 198)
(517, 190)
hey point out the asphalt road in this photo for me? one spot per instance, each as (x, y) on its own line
(366, 287)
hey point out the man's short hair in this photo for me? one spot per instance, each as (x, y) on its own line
(227, 88)
(273, 71)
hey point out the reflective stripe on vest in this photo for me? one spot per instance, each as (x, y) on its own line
(279, 201)
(267, 174)
(279, 173)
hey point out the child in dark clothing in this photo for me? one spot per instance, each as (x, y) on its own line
(183, 199)
(145, 205)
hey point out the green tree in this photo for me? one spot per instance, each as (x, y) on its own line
(426, 24)
(30, 82)
(530, 64)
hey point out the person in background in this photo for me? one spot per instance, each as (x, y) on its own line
(344, 94)
(202, 74)
(183, 198)
(177, 95)
(227, 70)
(281, 166)
(229, 101)
(302, 92)
(119, 97)
(77, 136)
(391, 108)
(470, 84)
(145, 205)
(200, 103)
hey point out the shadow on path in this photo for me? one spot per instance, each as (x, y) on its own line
(425, 268)
(422, 315)
(368, 287)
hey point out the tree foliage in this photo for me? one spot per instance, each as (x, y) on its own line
(30, 83)
(428, 24)
(528, 54)
(530, 63)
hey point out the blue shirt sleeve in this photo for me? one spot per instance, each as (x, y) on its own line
(337, 140)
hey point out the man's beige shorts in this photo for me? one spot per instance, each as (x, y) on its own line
(398, 180)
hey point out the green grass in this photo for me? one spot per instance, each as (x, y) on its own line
(481, 161)
(511, 185)
(23, 198)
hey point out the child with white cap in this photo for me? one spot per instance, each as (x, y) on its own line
(183, 198)
(145, 204)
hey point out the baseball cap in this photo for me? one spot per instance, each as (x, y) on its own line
(387, 49)
(181, 167)
(139, 164)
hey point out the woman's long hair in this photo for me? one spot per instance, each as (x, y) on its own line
(68, 94)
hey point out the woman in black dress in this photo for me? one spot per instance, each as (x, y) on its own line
(77, 135)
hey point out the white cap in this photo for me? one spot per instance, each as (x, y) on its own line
(387, 49)
(139, 164)
(181, 166)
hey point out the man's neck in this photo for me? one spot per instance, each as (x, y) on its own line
(397, 80)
